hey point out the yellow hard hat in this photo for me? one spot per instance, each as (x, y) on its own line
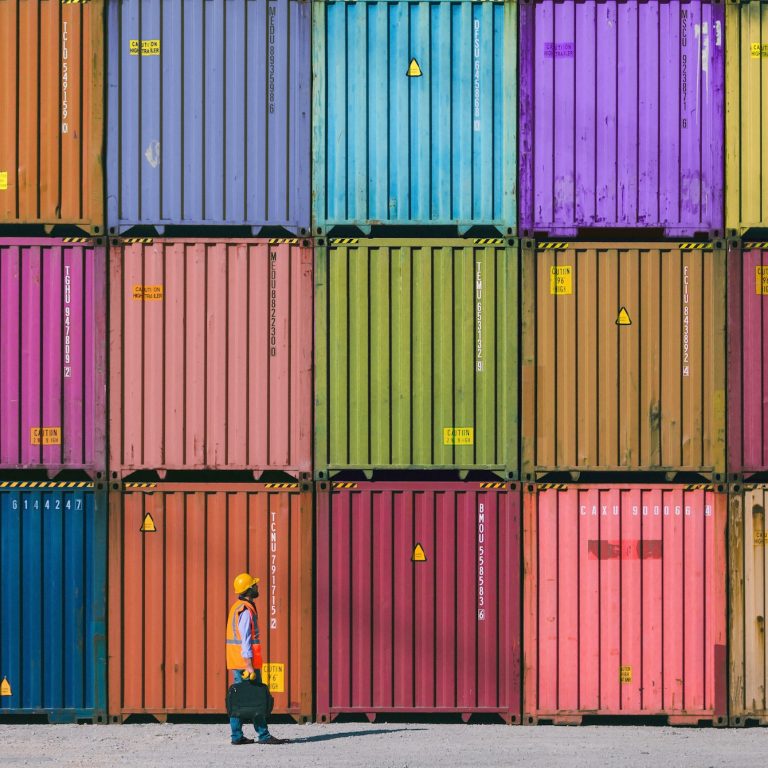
(243, 582)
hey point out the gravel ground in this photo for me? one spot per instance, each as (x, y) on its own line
(391, 745)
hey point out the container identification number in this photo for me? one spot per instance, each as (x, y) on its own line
(476, 83)
(272, 570)
(686, 325)
(64, 79)
(67, 323)
(479, 317)
(273, 304)
(481, 562)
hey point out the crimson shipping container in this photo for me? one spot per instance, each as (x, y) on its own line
(175, 550)
(748, 358)
(621, 115)
(418, 599)
(210, 355)
(625, 602)
(52, 354)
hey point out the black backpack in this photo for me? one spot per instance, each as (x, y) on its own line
(249, 699)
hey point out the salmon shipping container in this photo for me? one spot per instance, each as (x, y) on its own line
(624, 358)
(621, 115)
(625, 603)
(416, 355)
(746, 127)
(211, 355)
(52, 102)
(748, 569)
(418, 599)
(747, 358)
(175, 550)
(208, 120)
(414, 113)
(53, 558)
(52, 354)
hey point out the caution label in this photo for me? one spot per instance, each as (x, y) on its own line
(414, 70)
(148, 292)
(45, 436)
(419, 555)
(147, 47)
(625, 674)
(5, 688)
(458, 436)
(623, 318)
(273, 676)
(761, 280)
(561, 280)
(3, 179)
(758, 50)
(148, 524)
(760, 538)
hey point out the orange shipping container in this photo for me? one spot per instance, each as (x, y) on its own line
(51, 100)
(175, 549)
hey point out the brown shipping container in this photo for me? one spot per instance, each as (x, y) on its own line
(748, 598)
(51, 100)
(174, 552)
(210, 355)
(623, 357)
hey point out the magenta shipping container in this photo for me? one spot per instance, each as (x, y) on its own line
(52, 354)
(621, 115)
(748, 357)
(210, 355)
(418, 599)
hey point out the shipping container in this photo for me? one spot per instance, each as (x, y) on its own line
(746, 127)
(208, 120)
(418, 599)
(52, 354)
(748, 567)
(414, 114)
(621, 115)
(747, 358)
(624, 358)
(52, 102)
(625, 603)
(175, 549)
(416, 355)
(211, 355)
(53, 602)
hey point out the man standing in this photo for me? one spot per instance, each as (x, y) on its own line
(244, 653)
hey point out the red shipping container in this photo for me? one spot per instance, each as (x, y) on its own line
(625, 602)
(748, 358)
(418, 598)
(211, 355)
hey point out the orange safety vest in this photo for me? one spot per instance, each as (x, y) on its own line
(235, 659)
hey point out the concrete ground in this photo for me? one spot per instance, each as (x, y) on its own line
(390, 745)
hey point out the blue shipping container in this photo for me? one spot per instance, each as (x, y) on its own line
(53, 559)
(414, 113)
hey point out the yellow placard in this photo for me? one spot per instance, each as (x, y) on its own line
(148, 292)
(3, 179)
(758, 50)
(561, 280)
(273, 675)
(148, 524)
(761, 280)
(458, 436)
(5, 688)
(625, 674)
(414, 70)
(148, 47)
(419, 555)
(45, 436)
(623, 317)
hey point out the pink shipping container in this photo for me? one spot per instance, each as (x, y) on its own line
(748, 358)
(418, 599)
(52, 354)
(210, 355)
(625, 602)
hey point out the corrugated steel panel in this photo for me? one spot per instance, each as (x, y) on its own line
(418, 599)
(625, 600)
(53, 564)
(748, 567)
(621, 115)
(170, 590)
(51, 98)
(624, 357)
(52, 354)
(211, 355)
(746, 155)
(416, 361)
(415, 113)
(208, 117)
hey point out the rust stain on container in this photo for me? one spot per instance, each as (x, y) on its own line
(170, 591)
(623, 358)
(51, 98)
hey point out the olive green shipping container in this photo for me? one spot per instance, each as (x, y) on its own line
(416, 345)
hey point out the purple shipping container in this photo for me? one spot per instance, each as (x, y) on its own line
(52, 351)
(621, 115)
(208, 119)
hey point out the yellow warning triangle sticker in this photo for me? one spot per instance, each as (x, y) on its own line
(5, 688)
(623, 318)
(414, 70)
(419, 555)
(148, 526)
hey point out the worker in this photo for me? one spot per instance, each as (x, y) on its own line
(244, 653)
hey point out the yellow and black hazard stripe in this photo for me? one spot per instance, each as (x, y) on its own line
(699, 487)
(491, 486)
(750, 246)
(344, 240)
(283, 240)
(552, 487)
(342, 484)
(140, 485)
(75, 2)
(559, 246)
(139, 240)
(46, 484)
(281, 485)
(488, 241)
(695, 246)
(76, 239)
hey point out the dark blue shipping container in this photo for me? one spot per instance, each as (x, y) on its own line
(53, 542)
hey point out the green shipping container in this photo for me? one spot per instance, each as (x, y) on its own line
(416, 355)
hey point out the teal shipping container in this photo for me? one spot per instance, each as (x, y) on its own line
(53, 560)
(414, 114)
